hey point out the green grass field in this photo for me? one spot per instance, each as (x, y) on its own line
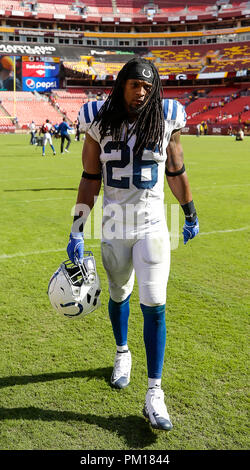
(55, 391)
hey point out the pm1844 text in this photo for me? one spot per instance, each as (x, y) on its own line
(146, 459)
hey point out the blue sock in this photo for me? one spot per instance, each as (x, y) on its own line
(154, 338)
(119, 314)
(52, 146)
(44, 149)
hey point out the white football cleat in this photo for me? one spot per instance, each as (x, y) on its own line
(121, 373)
(155, 409)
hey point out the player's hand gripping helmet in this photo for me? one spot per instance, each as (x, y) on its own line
(74, 290)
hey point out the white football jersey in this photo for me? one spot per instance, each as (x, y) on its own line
(47, 127)
(133, 184)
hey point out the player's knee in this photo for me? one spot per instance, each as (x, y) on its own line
(121, 289)
(152, 296)
(119, 294)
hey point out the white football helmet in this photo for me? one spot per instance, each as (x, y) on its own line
(74, 291)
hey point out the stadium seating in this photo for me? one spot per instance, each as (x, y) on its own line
(70, 93)
(68, 103)
(205, 58)
(187, 59)
(223, 91)
(93, 7)
(94, 10)
(245, 117)
(201, 104)
(5, 121)
(130, 7)
(183, 3)
(56, 7)
(65, 2)
(176, 93)
(28, 108)
(78, 66)
(223, 112)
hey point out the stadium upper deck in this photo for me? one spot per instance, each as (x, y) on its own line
(134, 11)
(107, 23)
(219, 61)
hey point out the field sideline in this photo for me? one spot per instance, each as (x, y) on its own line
(55, 391)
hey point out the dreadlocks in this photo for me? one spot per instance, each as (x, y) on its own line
(149, 125)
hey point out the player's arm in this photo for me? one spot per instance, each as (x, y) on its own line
(88, 190)
(90, 183)
(175, 170)
(179, 185)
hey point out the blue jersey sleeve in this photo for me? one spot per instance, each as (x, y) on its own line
(87, 114)
(174, 113)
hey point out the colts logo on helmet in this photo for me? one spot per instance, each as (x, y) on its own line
(69, 304)
(146, 74)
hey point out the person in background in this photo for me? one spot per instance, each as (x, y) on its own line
(63, 131)
(77, 127)
(198, 130)
(32, 127)
(47, 129)
(240, 134)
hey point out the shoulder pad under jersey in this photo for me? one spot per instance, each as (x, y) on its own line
(175, 112)
(87, 113)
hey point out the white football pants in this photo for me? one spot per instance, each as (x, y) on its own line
(148, 258)
(47, 138)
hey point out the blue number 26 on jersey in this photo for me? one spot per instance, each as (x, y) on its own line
(138, 165)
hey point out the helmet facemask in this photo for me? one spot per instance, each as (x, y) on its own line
(74, 290)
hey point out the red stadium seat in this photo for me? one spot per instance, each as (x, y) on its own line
(29, 108)
(229, 112)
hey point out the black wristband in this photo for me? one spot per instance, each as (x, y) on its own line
(189, 211)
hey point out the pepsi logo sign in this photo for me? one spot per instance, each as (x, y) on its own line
(30, 83)
(40, 85)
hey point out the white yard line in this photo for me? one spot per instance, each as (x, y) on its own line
(95, 244)
(27, 201)
(225, 231)
(31, 253)
(214, 186)
(38, 252)
(39, 178)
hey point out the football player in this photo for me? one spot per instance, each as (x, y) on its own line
(132, 141)
(63, 130)
(47, 130)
